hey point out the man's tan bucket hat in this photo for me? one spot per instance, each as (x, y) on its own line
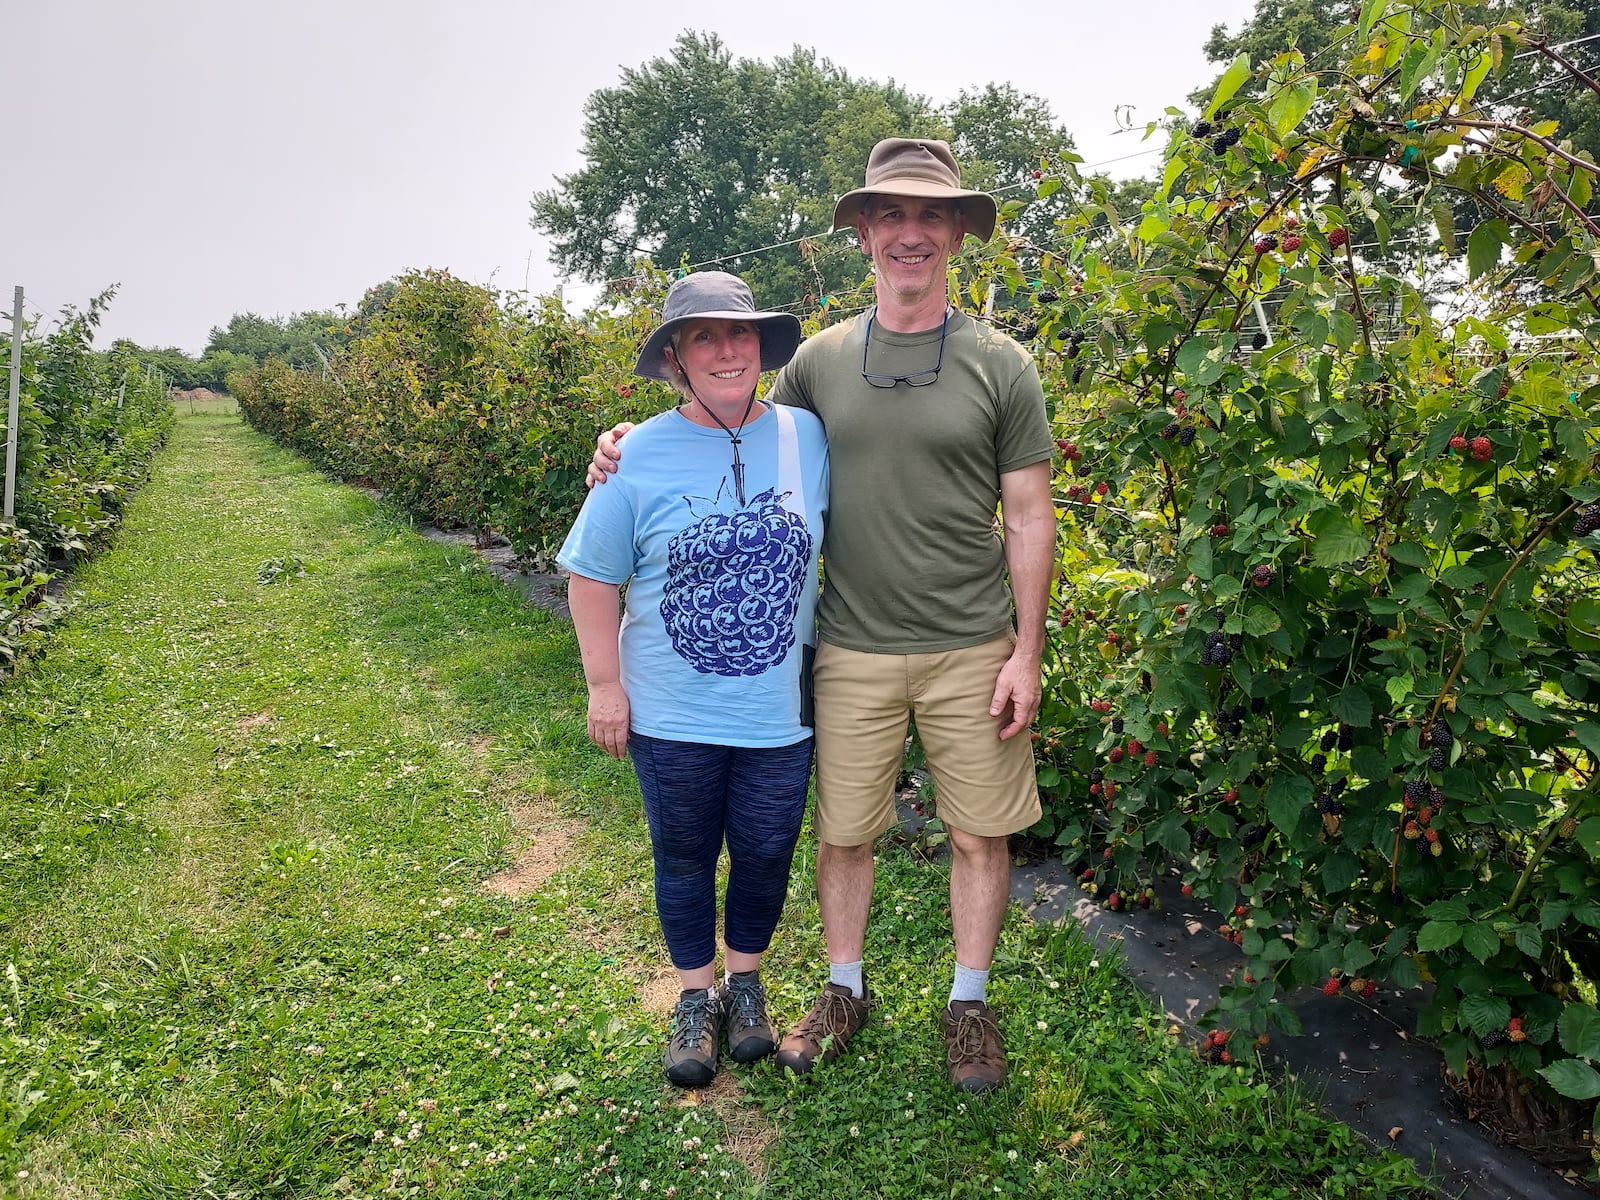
(917, 167)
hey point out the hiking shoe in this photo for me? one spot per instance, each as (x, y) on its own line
(821, 1033)
(973, 1046)
(691, 1059)
(743, 1001)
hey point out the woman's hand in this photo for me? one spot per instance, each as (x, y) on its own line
(608, 718)
(607, 453)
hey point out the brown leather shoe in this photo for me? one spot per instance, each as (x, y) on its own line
(822, 1033)
(973, 1046)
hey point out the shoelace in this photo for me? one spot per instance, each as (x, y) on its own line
(971, 1038)
(749, 1003)
(693, 1021)
(832, 1018)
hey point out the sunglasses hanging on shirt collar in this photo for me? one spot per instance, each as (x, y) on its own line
(915, 378)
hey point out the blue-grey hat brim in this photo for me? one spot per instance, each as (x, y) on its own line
(780, 338)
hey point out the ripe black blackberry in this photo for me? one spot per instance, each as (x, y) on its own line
(1588, 520)
(1232, 136)
(1097, 776)
(1319, 764)
(1495, 1037)
(1340, 784)
(1048, 297)
(1220, 144)
(1186, 435)
(1259, 342)
(1263, 575)
(1252, 835)
(1442, 734)
(1201, 129)
(1330, 739)
(1077, 374)
(1236, 642)
(1117, 724)
(1170, 431)
(1416, 790)
(1439, 758)
(1436, 796)
(1347, 737)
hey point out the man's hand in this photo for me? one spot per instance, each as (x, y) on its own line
(608, 719)
(607, 453)
(1017, 692)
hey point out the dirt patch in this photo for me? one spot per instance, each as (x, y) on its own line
(749, 1131)
(246, 724)
(546, 849)
(480, 744)
(659, 993)
(1556, 1132)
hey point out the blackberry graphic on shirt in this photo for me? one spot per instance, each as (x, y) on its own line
(733, 584)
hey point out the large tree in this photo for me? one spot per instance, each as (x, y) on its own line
(697, 157)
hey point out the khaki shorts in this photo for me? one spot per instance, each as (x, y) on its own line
(985, 786)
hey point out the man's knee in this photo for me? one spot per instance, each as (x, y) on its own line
(977, 847)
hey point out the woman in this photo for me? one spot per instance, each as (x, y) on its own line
(716, 532)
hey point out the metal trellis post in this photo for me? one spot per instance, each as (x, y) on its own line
(14, 407)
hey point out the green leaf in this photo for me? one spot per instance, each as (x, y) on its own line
(1410, 553)
(1588, 836)
(1529, 940)
(1483, 247)
(1588, 732)
(1438, 935)
(1444, 220)
(1580, 1030)
(1261, 620)
(1400, 686)
(1480, 940)
(1573, 1079)
(1353, 706)
(1517, 623)
(1339, 539)
(1291, 104)
(1453, 909)
(1339, 870)
(1483, 1013)
(1232, 80)
(1287, 798)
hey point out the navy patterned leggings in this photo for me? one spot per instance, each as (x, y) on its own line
(695, 797)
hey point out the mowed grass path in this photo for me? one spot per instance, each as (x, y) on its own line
(249, 803)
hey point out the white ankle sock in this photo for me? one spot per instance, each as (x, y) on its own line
(847, 975)
(969, 984)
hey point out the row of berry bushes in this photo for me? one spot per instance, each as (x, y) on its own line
(469, 409)
(88, 424)
(1327, 638)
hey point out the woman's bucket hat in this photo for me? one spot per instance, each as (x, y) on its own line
(718, 296)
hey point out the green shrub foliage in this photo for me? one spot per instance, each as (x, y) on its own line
(87, 427)
(1328, 609)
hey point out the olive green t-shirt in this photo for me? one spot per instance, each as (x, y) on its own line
(912, 559)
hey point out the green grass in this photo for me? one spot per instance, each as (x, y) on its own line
(247, 805)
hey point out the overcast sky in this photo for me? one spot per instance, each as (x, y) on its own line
(215, 158)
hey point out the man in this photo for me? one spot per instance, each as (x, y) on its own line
(932, 417)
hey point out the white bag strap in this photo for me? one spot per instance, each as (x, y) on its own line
(791, 483)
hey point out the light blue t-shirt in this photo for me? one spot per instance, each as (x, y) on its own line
(721, 599)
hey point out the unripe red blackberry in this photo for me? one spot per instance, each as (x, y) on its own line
(1458, 443)
(1331, 988)
(1266, 244)
(1482, 448)
(1338, 237)
(1263, 575)
(1291, 243)
(1220, 529)
(1170, 431)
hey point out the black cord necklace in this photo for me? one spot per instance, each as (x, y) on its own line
(733, 436)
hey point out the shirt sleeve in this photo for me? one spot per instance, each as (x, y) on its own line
(602, 544)
(1025, 436)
